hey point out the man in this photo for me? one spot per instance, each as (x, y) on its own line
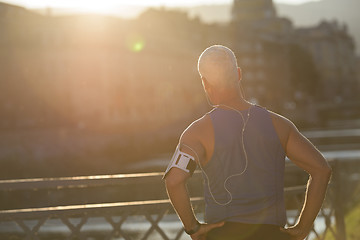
(241, 150)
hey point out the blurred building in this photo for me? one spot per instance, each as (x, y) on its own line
(95, 71)
(333, 52)
(288, 66)
(261, 42)
(89, 70)
(358, 71)
(253, 12)
(9, 11)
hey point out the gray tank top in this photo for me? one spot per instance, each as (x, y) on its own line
(258, 195)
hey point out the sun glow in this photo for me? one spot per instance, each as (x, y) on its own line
(92, 7)
(112, 5)
(123, 8)
(82, 6)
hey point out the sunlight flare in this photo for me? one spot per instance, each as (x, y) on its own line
(135, 42)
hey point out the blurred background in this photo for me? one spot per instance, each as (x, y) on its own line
(90, 87)
(104, 87)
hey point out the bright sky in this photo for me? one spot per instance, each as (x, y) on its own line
(108, 4)
(124, 8)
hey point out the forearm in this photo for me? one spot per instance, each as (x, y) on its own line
(315, 194)
(180, 200)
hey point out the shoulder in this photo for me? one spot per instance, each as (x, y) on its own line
(277, 119)
(197, 128)
(281, 121)
(199, 137)
(283, 127)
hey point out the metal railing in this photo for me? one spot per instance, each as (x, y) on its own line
(148, 219)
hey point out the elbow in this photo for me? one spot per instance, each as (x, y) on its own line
(326, 172)
(322, 173)
(176, 178)
(172, 182)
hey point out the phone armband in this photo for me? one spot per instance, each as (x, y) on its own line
(183, 161)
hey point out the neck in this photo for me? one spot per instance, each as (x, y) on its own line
(234, 100)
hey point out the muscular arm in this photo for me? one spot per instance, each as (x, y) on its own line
(176, 180)
(176, 187)
(303, 153)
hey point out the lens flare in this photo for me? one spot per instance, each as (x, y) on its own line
(138, 46)
(135, 42)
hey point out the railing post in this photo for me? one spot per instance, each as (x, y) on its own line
(339, 201)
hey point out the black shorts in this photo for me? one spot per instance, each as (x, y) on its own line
(242, 231)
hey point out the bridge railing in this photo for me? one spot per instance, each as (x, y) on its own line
(147, 219)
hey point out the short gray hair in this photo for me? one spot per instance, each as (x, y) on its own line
(218, 65)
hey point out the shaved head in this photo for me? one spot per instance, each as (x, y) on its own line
(218, 65)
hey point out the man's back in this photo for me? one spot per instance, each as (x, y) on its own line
(245, 184)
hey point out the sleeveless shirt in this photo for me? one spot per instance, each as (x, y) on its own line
(258, 195)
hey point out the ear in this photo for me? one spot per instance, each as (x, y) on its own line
(205, 83)
(239, 73)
